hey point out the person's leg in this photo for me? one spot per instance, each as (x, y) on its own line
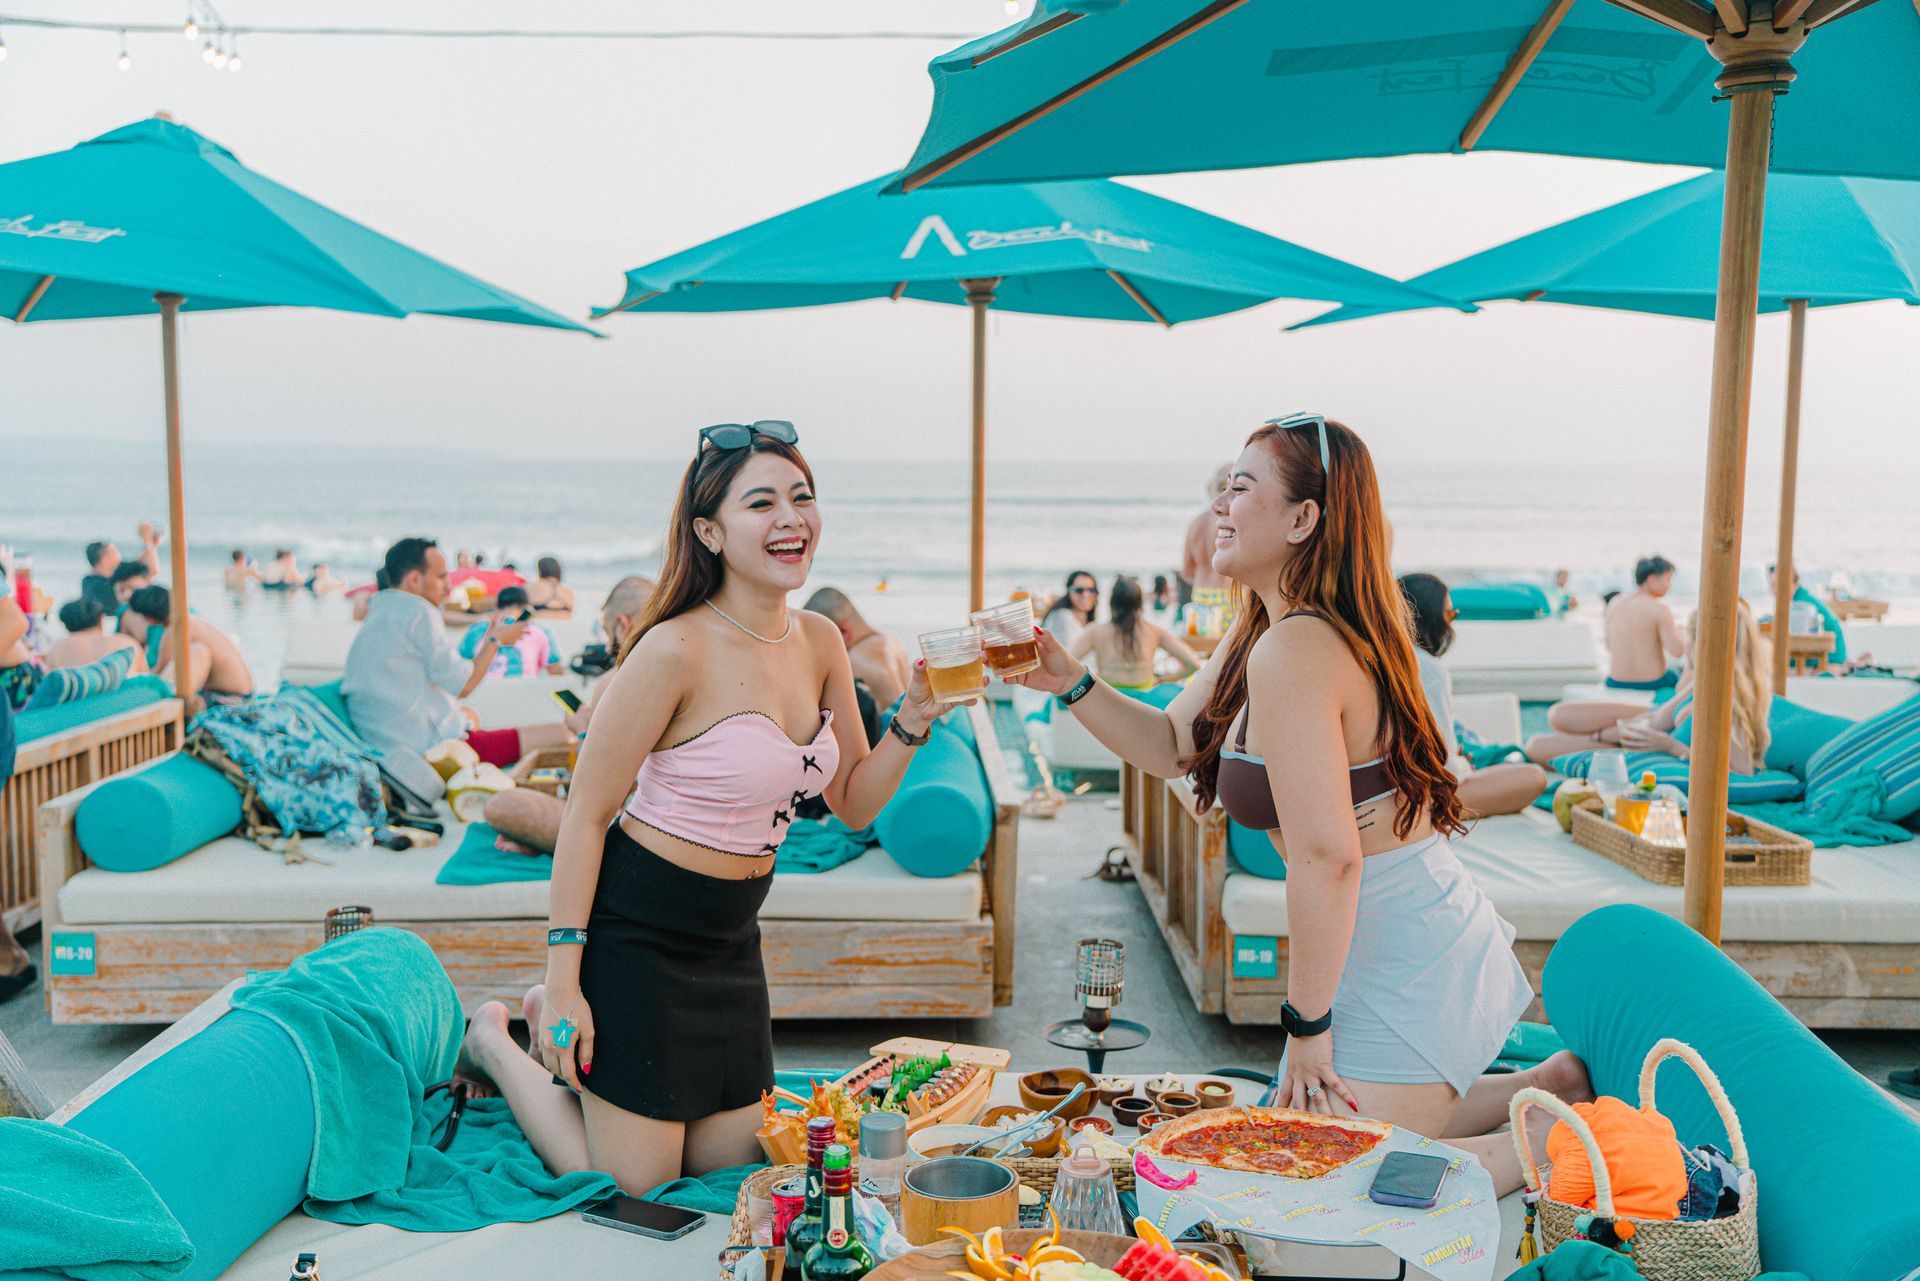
(528, 817)
(723, 1139)
(639, 1152)
(1484, 1107)
(1502, 789)
(199, 667)
(1542, 748)
(545, 734)
(1591, 717)
(1428, 1109)
(550, 1114)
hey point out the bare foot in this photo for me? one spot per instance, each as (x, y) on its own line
(530, 1009)
(507, 845)
(1565, 1076)
(487, 1039)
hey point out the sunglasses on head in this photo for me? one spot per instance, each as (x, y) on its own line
(740, 435)
(1317, 421)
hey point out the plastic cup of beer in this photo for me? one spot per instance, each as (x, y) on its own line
(956, 668)
(1007, 637)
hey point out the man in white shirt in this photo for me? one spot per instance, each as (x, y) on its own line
(404, 678)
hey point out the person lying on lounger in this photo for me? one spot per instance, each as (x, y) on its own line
(1580, 726)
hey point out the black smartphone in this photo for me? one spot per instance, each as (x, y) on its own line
(567, 699)
(387, 838)
(1410, 1179)
(648, 1218)
(523, 616)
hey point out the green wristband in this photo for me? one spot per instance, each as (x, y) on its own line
(557, 938)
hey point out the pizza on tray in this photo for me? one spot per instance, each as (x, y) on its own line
(1281, 1141)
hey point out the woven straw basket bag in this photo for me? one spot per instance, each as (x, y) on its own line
(1663, 1250)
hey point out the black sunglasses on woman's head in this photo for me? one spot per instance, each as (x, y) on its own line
(740, 435)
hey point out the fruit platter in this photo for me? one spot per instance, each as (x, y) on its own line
(1052, 1255)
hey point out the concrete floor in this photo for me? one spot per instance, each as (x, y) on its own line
(1059, 904)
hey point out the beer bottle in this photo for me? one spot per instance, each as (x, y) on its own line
(806, 1229)
(839, 1254)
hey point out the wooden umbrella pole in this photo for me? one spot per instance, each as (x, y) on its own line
(1713, 646)
(1789, 483)
(176, 494)
(979, 299)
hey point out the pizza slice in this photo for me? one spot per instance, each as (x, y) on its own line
(1278, 1141)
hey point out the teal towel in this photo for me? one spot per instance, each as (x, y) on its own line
(1585, 1261)
(1528, 1045)
(1481, 755)
(821, 846)
(72, 1204)
(377, 1021)
(1843, 816)
(478, 862)
(716, 1192)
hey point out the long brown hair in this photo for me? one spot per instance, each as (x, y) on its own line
(689, 573)
(1341, 572)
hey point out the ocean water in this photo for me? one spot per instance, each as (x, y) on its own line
(895, 531)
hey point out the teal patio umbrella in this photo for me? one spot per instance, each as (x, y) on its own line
(1826, 242)
(1098, 250)
(1087, 88)
(153, 217)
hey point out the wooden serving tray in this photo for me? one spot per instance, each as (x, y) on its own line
(786, 1145)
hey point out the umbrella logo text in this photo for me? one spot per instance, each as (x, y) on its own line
(935, 225)
(66, 229)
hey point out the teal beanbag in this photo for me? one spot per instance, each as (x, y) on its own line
(147, 820)
(1795, 733)
(1254, 854)
(135, 691)
(1835, 1156)
(1500, 602)
(938, 821)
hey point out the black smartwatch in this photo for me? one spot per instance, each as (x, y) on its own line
(1294, 1023)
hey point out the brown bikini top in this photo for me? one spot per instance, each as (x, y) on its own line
(1247, 795)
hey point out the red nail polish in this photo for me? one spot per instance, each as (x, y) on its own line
(586, 1070)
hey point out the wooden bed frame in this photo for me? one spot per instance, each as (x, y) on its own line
(1179, 856)
(59, 763)
(815, 969)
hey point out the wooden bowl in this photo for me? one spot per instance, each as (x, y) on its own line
(1098, 1124)
(1041, 1091)
(1129, 1110)
(1179, 1103)
(1153, 1088)
(1043, 1142)
(1213, 1098)
(1107, 1096)
(1151, 1119)
(947, 1254)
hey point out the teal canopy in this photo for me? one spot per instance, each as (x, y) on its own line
(154, 207)
(1827, 241)
(1233, 84)
(1097, 250)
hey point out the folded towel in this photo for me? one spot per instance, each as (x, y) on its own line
(716, 1192)
(1844, 814)
(479, 862)
(377, 1021)
(72, 1204)
(821, 846)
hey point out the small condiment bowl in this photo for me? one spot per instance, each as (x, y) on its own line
(1213, 1092)
(1129, 1110)
(1097, 1124)
(1042, 1091)
(1157, 1086)
(1119, 1091)
(1152, 1119)
(1042, 1141)
(1179, 1103)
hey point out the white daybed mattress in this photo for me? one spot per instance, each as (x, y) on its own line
(233, 880)
(1533, 658)
(1542, 882)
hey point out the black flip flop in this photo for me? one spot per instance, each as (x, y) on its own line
(12, 985)
(1905, 1081)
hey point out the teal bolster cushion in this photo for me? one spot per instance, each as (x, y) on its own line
(134, 692)
(1742, 789)
(1835, 1156)
(1888, 745)
(1253, 853)
(1504, 602)
(938, 821)
(330, 696)
(70, 684)
(148, 819)
(1795, 733)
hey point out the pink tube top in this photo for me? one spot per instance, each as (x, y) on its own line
(734, 786)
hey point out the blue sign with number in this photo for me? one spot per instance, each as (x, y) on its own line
(1256, 956)
(73, 955)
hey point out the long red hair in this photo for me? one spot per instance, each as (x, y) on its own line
(1343, 573)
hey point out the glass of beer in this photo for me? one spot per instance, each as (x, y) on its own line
(955, 666)
(1007, 637)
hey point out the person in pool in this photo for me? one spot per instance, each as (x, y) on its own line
(1308, 723)
(728, 708)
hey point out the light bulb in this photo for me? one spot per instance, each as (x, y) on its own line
(219, 57)
(3, 50)
(192, 30)
(206, 52)
(233, 62)
(125, 62)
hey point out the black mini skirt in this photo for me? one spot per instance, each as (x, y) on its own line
(673, 974)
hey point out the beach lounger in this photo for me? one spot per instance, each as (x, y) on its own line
(1843, 952)
(1532, 659)
(863, 940)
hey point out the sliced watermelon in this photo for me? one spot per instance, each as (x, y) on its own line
(1147, 1262)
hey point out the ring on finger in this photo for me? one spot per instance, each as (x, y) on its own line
(1313, 1091)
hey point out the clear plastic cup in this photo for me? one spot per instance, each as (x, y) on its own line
(956, 666)
(1007, 639)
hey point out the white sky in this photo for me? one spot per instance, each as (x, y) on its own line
(552, 167)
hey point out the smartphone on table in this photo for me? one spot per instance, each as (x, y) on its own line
(1409, 1179)
(647, 1218)
(567, 699)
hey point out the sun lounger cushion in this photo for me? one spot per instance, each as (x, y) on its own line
(938, 822)
(135, 691)
(1835, 1157)
(150, 818)
(1487, 602)
(1253, 853)
(1795, 733)
(1742, 789)
(1888, 745)
(70, 684)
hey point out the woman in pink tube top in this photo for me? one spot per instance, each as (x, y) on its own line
(1309, 723)
(728, 709)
